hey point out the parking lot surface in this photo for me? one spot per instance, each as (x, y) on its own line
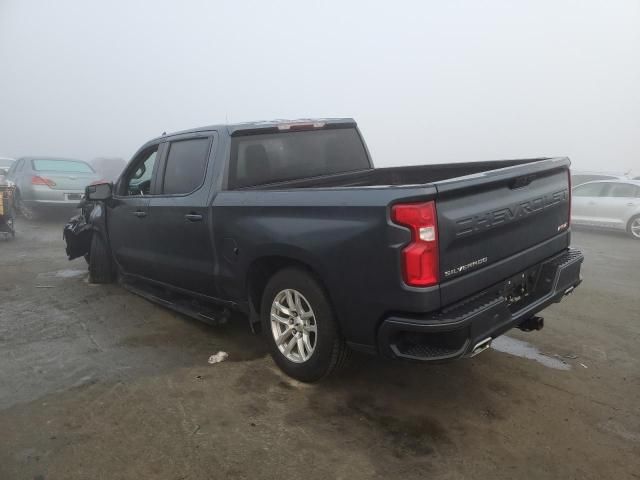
(96, 383)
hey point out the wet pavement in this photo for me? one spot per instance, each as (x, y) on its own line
(519, 348)
(98, 383)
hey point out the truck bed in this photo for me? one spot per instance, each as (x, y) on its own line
(495, 220)
(397, 176)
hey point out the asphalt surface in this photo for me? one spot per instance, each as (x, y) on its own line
(96, 383)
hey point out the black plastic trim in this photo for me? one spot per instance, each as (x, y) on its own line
(487, 314)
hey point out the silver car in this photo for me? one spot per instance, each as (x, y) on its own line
(608, 204)
(50, 182)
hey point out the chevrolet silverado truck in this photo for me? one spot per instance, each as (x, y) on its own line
(289, 223)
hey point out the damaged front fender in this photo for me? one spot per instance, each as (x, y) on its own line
(79, 230)
(77, 234)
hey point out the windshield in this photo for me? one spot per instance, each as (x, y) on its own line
(67, 166)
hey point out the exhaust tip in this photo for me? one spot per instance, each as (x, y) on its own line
(480, 347)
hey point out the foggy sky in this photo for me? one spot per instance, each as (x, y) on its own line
(428, 82)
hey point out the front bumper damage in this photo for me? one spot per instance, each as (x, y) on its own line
(77, 235)
(469, 325)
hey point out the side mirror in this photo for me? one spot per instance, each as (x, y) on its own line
(99, 191)
(4, 170)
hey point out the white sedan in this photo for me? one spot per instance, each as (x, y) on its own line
(611, 204)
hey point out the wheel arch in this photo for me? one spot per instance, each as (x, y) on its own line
(263, 268)
(633, 217)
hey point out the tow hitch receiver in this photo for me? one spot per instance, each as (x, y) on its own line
(532, 323)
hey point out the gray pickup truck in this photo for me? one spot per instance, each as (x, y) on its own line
(289, 223)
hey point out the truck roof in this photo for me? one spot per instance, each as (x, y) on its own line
(266, 125)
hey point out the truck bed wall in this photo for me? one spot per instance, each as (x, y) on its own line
(407, 175)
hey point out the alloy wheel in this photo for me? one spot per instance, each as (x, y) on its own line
(293, 325)
(635, 228)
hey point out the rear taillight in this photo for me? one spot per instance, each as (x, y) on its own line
(36, 180)
(420, 257)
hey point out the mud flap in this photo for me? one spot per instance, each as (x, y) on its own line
(77, 234)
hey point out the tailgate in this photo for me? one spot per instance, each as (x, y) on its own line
(496, 224)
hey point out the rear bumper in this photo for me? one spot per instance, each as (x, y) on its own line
(51, 203)
(455, 330)
(35, 196)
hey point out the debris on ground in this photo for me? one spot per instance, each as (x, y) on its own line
(218, 357)
(584, 365)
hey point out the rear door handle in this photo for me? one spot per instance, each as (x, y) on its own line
(631, 204)
(139, 213)
(193, 217)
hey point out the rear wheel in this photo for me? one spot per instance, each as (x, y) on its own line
(100, 263)
(300, 327)
(633, 227)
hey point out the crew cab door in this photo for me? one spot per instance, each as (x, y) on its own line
(128, 213)
(179, 216)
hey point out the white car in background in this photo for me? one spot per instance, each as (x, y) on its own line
(610, 204)
(578, 177)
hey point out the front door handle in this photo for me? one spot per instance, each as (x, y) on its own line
(631, 204)
(139, 213)
(193, 217)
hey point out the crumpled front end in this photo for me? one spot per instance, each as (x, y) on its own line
(77, 234)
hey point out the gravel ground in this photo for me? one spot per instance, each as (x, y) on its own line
(98, 383)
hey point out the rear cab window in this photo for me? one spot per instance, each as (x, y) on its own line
(260, 159)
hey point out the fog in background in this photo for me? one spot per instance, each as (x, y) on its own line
(428, 82)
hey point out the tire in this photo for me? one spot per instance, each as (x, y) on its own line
(329, 351)
(633, 227)
(21, 209)
(100, 263)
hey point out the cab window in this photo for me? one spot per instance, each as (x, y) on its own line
(185, 166)
(137, 181)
